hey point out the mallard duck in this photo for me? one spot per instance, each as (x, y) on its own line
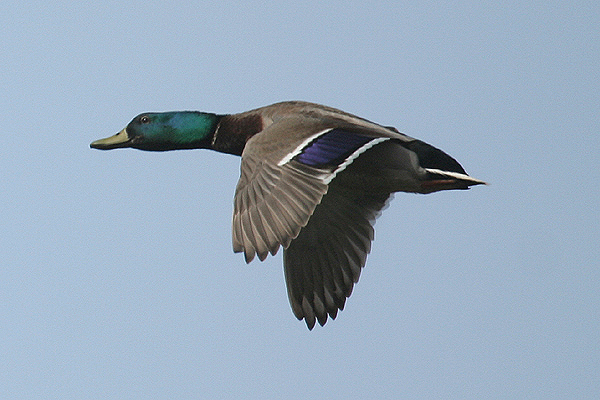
(313, 180)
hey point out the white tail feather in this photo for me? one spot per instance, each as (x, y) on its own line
(456, 175)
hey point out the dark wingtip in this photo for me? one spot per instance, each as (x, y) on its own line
(310, 324)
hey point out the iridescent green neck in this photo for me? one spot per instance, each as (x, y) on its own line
(172, 130)
(185, 130)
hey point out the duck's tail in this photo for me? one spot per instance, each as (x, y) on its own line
(443, 171)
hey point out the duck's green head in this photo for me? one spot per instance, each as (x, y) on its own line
(164, 131)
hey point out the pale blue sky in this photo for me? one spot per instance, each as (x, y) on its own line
(118, 279)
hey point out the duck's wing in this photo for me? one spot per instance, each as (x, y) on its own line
(324, 262)
(272, 203)
(285, 171)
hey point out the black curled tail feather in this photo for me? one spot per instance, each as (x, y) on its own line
(431, 157)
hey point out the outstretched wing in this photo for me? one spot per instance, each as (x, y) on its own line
(324, 262)
(272, 203)
(279, 188)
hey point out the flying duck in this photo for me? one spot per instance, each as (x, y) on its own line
(313, 180)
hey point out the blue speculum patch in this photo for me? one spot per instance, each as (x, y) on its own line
(331, 148)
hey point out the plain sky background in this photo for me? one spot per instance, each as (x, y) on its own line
(117, 278)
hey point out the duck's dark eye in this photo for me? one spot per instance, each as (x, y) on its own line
(144, 119)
